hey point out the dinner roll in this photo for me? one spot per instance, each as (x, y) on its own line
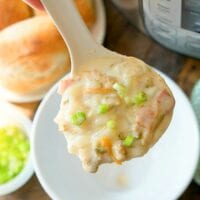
(12, 11)
(86, 9)
(32, 56)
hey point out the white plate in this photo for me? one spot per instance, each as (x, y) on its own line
(163, 173)
(98, 31)
(11, 115)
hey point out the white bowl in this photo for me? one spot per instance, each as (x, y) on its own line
(163, 173)
(8, 114)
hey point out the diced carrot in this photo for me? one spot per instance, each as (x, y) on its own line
(64, 85)
(106, 142)
(98, 90)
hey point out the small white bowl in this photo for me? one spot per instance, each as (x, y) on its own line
(10, 114)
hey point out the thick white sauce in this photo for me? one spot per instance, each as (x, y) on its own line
(136, 103)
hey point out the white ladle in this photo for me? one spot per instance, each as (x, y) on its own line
(82, 47)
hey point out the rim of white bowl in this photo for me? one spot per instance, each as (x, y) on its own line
(28, 170)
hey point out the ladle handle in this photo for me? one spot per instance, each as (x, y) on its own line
(73, 30)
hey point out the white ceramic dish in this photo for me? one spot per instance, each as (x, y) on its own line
(9, 114)
(98, 31)
(163, 173)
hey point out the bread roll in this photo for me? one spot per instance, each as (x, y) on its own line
(32, 56)
(86, 9)
(39, 12)
(12, 11)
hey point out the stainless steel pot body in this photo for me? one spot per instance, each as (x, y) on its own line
(173, 23)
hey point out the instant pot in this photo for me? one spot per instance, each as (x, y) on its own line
(173, 23)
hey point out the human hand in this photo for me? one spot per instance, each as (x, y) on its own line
(35, 3)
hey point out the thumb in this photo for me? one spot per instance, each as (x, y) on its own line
(35, 4)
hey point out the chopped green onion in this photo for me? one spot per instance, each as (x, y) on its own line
(121, 89)
(111, 124)
(78, 118)
(140, 98)
(103, 108)
(128, 141)
(14, 151)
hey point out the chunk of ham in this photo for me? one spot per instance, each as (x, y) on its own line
(64, 84)
(146, 116)
(149, 115)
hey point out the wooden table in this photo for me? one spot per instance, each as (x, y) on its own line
(126, 39)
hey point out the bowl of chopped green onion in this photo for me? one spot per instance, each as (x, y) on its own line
(15, 160)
